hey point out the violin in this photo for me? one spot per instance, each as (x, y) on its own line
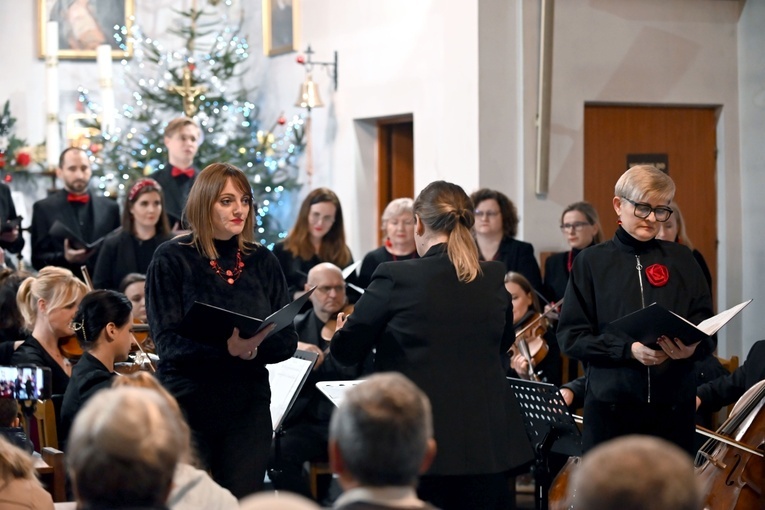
(329, 327)
(529, 339)
(70, 347)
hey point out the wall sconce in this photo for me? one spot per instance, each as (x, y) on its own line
(309, 92)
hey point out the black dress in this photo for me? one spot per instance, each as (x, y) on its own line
(518, 256)
(122, 254)
(89, 375)
(376, 257)
(623, 396)
(225, 398)
(32, 353)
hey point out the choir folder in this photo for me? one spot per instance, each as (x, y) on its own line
(648, 324)
(60, 231)
(213, 325)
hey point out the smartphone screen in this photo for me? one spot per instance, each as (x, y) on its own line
(25, 382)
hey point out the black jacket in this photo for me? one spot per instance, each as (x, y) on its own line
(447, 337)
(119, 256)
(729, 388)
(8, 212)
(175, 191)
(518, 256)
(103, 213)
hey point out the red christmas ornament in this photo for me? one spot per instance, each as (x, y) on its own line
(2, 159)
(23, 159)
(282, 121)
(192, 67)
(300, 59)
(8, 178)
(658, 275)
(94, 148)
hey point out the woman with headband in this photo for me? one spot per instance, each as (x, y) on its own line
(144, 228)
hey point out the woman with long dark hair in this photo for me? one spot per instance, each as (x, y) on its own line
(144, 227)
(317, 236)
(222, 389)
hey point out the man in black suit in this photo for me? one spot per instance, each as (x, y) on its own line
(11, 239)
(306, 428)
(381, 438)
(182, 137)
(729, 388)
(88, 216)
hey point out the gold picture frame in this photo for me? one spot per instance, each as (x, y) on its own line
(281, 22)
(79, 40)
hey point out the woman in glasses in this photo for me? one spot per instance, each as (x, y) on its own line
(496, 225)
(580, 225)
(674, 230)
(633, 388)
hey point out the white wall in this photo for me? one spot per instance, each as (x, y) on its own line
(467, 71)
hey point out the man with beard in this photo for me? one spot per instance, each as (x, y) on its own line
(88, 216)
(306, 428)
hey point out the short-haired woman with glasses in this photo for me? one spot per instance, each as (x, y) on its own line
(580, 225)
(496, 225)
(633, 388)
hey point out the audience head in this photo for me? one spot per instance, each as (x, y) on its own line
(133, 285)
(52, 297)
(105, 316)
(382, 433)
(524, 298)
(149, 382)
(145, 207)
(398, 225)
(182, 139)
(320, 221)
(329, 296)
(495, 213)
(641, 200)
(123, 449)
(10, 315)
(74, 170)
(220, 207)
(673, 229)
(16, 464)
(443, 208)
(581, 225)
(277, 501)
(635, 473)
(9, 412)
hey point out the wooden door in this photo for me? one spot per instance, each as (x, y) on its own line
(684, 137)
(395, 169)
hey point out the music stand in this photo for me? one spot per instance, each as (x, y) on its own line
(550, 428)
(286, 380)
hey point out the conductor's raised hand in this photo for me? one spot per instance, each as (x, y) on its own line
(648, 356)
(676, 349)
(247, 348)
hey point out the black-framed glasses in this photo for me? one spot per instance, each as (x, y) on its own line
(576, 226)
(642, 211)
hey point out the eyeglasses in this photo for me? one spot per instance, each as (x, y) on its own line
(487, 214)
(326, 289)
(642, 211)
(576, 226)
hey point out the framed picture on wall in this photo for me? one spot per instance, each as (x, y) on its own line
(280, 26)
(83, 25)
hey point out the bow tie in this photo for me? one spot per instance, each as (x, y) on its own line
(189, 172)
(81, 199)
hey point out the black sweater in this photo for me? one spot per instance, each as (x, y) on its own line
(178, 276)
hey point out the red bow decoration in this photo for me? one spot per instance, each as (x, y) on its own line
(189, 172)
(658, 275)
(81, 199)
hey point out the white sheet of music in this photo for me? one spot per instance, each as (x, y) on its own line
(335, 390)
(286, 379)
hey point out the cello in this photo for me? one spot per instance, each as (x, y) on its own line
(730, 466)
(731, 476)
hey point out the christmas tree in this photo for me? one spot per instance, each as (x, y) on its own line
(199, 79)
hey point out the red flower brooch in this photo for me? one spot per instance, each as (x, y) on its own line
(658, 275)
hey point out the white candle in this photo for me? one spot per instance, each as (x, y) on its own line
(104, 61)
(52, 138)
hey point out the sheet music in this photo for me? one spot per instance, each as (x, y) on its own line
(713, 324)
(335, 390)
(286, 379)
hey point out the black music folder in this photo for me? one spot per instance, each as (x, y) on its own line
(653, 321)
(213, 325)
(60, 231)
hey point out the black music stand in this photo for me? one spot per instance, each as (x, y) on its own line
(550, 428)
